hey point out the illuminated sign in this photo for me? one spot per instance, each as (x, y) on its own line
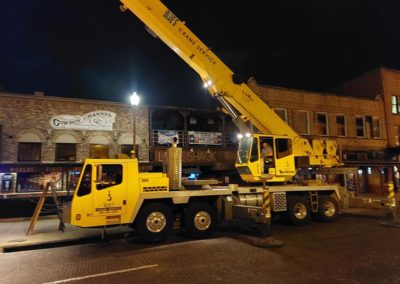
(95, 120)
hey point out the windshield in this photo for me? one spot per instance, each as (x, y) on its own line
(243, 151)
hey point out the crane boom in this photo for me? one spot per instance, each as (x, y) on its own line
(237, 98)
(197, 55)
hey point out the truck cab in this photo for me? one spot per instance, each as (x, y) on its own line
(110, 191)
(254, 164)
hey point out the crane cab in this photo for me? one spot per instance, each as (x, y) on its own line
(265, 157)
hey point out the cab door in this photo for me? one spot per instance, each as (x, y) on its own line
(254, 162)
(284, 158)
(109, 192)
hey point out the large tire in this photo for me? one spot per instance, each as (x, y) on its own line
(328, 209)
(200, 220)
(154, 222)
(298, 211)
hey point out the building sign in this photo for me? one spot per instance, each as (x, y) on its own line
(166, 137)
(95, 120)
(205, 138)
(200, 157)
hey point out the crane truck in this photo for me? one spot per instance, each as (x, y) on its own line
(113, 191)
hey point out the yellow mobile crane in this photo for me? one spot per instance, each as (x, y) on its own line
(113, 191)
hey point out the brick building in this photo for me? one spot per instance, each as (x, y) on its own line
(362, 115)
(45, 138)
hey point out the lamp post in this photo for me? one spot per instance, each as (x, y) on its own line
(134, 99)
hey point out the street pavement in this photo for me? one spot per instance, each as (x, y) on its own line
(13, 233)
(350, 250)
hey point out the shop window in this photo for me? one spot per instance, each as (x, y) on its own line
(282, 113)
(7, 182)
(37, 181)
(86, 183)
(111, 175)
(340, 125)
(360, 126)
(28, 151)
(300, 122)
(322, 124)
(98, 151)
(65, 152)
(395, 105)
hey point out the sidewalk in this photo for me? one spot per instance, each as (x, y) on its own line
(13, 234)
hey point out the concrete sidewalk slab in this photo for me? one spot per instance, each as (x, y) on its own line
(13, 234)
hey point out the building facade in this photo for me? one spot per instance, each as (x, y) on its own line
(362, 116)
(47, 138)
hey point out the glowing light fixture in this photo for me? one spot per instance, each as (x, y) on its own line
(207, 84)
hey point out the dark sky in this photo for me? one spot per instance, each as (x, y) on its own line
(89, 49)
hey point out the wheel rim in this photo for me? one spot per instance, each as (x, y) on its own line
(202, 220)
(300, 211)
(156, 222)
(329, 209)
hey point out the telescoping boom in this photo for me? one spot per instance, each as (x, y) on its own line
(291, 151)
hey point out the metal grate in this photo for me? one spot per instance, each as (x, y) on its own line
(279, 201)
(154, 188)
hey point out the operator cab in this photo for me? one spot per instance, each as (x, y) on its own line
(265, 157)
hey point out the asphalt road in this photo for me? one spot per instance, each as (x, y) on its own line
(351, 250)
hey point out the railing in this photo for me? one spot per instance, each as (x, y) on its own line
(186, 139)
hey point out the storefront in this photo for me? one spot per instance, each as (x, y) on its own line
(23, 184)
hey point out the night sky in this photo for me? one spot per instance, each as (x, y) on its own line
(89, 49)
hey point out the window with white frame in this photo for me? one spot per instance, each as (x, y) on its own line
(395, 105)
(322, 123)
(360, 126)
(282, 113)
(341, 125)
(376, 128)
(301, 122)
(397, 135)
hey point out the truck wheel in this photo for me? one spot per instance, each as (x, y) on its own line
(200, 220)
(328, 209)
(154, 222)
(298, 211)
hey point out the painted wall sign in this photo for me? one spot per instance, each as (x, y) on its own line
(166, 137)
(95, 120)
(205, 138)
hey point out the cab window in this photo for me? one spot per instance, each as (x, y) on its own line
(111, 175)
(254, 151)
(283, 147)
(86, 183)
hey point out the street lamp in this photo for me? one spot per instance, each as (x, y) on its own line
(135, 99)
